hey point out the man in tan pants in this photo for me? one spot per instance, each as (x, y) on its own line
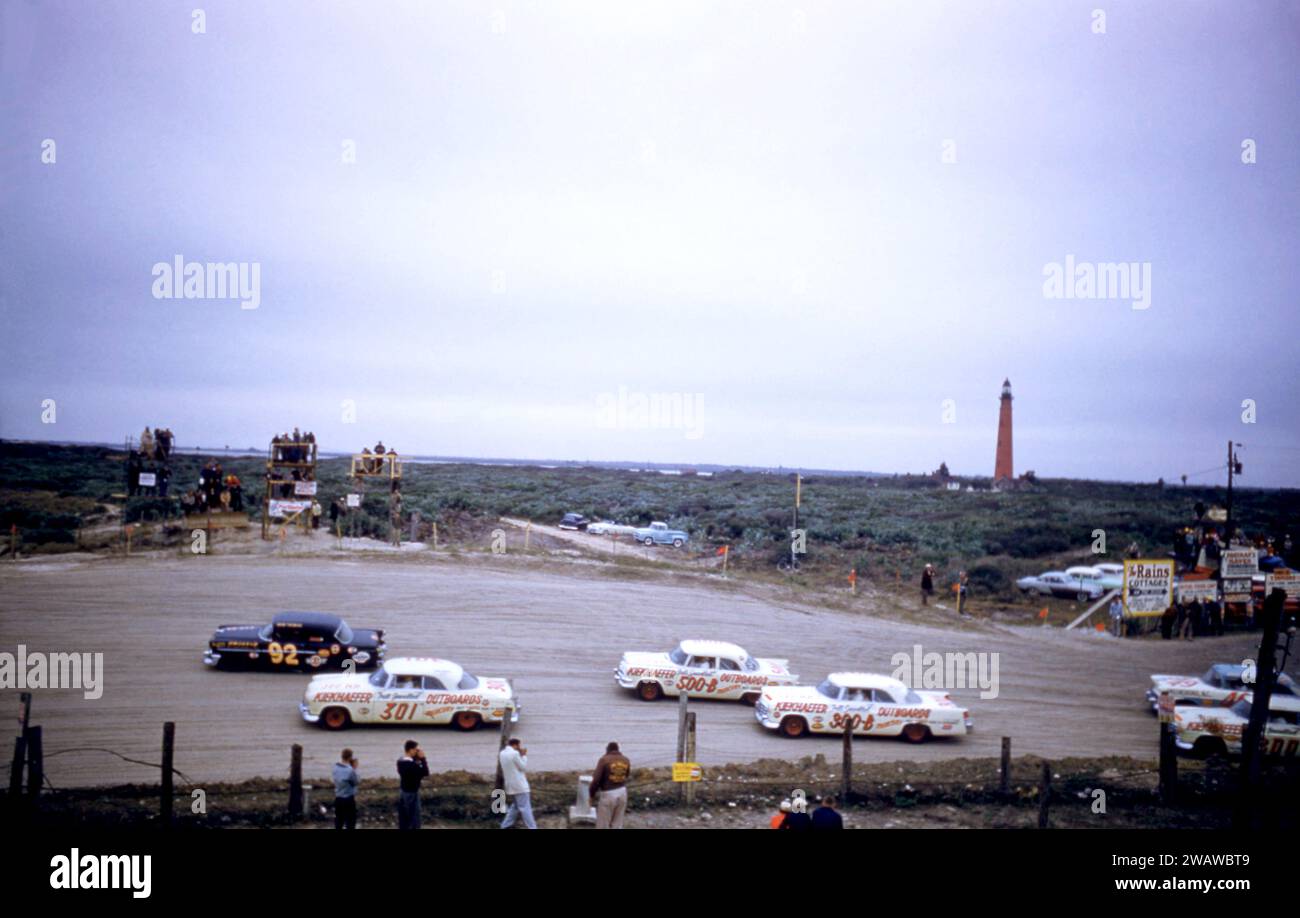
(609, 788)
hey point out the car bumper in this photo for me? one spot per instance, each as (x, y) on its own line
(306, 713)
(211, 658)
(624, 680)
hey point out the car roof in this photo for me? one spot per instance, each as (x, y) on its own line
(1231, 670)
(425, 666)
(320, 619)
(1284, 703)
(713, 649)
(867, 681)
(1083, 568)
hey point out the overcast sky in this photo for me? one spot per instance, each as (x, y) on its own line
(744, 204)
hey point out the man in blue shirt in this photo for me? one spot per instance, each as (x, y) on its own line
(346, 780)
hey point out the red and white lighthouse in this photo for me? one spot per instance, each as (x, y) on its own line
(1002, 467)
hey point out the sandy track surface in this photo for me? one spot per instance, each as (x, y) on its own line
(557, 632)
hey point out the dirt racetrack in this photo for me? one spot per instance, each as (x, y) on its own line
(557, 630)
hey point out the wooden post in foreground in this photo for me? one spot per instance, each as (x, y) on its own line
(690, 755)
(295, 782)
(682, 702)
(166, 794)
(506, 729)
(846, 779)
(1044, 794)
(1168, 764)
(35, 763)
(1004, 770)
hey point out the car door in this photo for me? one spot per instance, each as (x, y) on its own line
(434, 708)
(699, 676)
(399, 701)
(284, 650)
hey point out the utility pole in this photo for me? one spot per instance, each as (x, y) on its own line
(795, 530)
(1234, 466)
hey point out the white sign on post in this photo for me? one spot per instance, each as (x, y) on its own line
(1148, 586)
(304, 488)
(1192, 590)
(282, 508)
(1236, 590)
(1239, 562)
(148, 479)
(354, 500)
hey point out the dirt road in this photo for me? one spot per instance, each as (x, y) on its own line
(558, 632)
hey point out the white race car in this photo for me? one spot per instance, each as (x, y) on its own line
(1205, 731)
(1220, 686)
(605, 527)
(871, 705)
(702, 669)
(409, 691)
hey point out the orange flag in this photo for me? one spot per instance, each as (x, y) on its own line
(1043, 613)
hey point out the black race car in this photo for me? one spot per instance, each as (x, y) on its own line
(295, 641)
(574, 521)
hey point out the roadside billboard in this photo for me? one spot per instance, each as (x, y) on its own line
(1148, 586)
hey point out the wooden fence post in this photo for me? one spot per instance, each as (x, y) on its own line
(1044, 794)
(682, 703)
(168, 791)
(35, 763)
(690, 754)
(507, 728)
(1004, 769)
(846, 780)
(295, 782)
(1168, 764)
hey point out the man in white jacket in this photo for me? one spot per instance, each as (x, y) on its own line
(514, 771)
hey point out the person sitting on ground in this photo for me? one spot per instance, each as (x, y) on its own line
(778, 820)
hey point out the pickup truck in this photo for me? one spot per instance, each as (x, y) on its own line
(660, 534)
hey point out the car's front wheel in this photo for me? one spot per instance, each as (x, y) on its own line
(466, 720)
(677, 543)
(335, 718)
(649, 541)
(1209, 746)
(794, 726)
(649, 691)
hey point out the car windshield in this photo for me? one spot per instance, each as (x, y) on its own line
(678, 656)
(344, 634)
(378, 677)
(266, 632)
(1242, 709)
(829, 689)
(751, 665)
(467, 682)
(912, 698)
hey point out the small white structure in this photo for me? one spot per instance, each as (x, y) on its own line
(582, 812)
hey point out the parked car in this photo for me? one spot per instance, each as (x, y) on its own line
(605, 527)
(701, 669)
(1058, 583)
(1107, 581)
(409, 691)
(660, 534)
(1221, 685)
(295, 641)
(1206, 731)
(867, 703)
(573, 521)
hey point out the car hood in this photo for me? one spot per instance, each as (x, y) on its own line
(237, 632)
(646, 659)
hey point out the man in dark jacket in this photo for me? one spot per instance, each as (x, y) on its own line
(609, 788)
(411, 769)
(825, 817)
